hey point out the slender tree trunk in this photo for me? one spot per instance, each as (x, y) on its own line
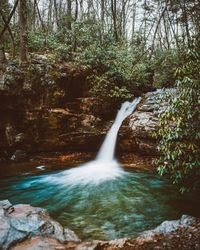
(166, 32)
(81, 9)
(76, 11)
(69, 14)
(56, 13)
(156, 30)
(10, 33)
(123, 21)
(9, 19)
(133, 19)
(2, 55)
(23, 31)
(186, 22)
(114, 16)
(40, 17)
(102, 21)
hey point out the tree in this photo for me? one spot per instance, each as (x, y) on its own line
(23, 31)
(4, 7)
(114, 17)
(69, 14)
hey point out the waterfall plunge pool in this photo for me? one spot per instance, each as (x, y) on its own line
(99, 200)
(116, 208)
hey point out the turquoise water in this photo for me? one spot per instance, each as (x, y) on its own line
(123, 207)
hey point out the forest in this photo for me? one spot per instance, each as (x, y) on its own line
(65, 68)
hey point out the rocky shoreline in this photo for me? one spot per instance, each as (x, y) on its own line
(23, 227)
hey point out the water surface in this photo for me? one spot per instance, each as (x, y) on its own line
(121, 207)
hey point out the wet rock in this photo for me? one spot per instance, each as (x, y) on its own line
(19, 155)
(99, 108)
(20, 222)
(39, 243)
(140, 126)
(10, 134)
(44, 243)
(20, 138)
(170, 235)
(169, 226)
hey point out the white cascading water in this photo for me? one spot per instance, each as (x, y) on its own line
(105, 166)
(107, 150)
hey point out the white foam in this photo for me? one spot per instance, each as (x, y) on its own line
(94, 172)
(104, 167)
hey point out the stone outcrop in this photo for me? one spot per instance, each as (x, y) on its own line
(40, 111)
(182, 234)
(21, 222)
(137, 134)
(23, 227)
(45, 108)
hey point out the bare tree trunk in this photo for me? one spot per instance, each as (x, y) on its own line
(133, 19)
(186, 22)
(156, 30)
(81, 9)
(123, 21)
(173, 30)
(40, 17)
(56, 13)
(49, 15)
(2, 55)
(23, 31)
(114, 16)
(9, 19)
(102, 21)
(166, 32)
(10, 33)
(69, 14)
(76, 11)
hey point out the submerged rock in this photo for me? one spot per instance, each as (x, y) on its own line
(21, 222)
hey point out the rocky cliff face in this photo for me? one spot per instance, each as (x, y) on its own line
(45, 108)
(137, 134)
(40, 109)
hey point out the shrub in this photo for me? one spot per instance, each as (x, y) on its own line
(165, 64)
(179, 131)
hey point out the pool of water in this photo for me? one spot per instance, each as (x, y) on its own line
(117, 208)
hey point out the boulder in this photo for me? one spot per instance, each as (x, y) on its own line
(138, 129)
(167, 227)
(21, 222)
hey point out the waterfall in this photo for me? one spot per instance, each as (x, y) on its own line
(104, 167)
(107, 150)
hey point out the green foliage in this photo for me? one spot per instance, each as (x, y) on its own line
(42, 42)
(102, 87)
(165, 64)
(118, 71)
(179, 131)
